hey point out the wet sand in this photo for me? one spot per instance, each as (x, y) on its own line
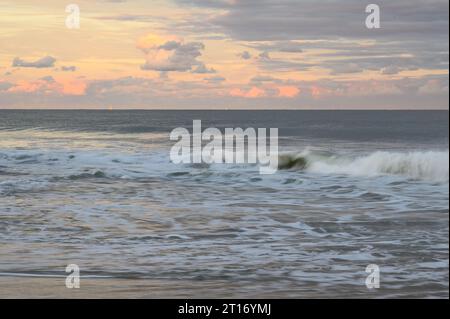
(50, 288)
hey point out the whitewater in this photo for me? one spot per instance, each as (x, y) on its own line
(420, 165)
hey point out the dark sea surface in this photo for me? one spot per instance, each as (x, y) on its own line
(97, 189)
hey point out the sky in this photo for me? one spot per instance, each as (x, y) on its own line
(226, 54)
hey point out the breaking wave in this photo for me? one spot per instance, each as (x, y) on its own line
(427, 165)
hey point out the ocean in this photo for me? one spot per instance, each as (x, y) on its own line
(97, 189)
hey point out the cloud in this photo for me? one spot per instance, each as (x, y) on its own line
(413, 33)
(328, 93)
(170, 45)
(70, 68)
(290, 47)
(264, 56)
(281, 46)
(132, 92)
(171, 53)
(252, 93)
(129, 17)
(261, 79)
(4, 86)
(48, 79)
(288, 91)
(215, 79)
(45, 86)
(152, 41)
(350, 56)
(390, 70)
(271, 20)
(345, 68)
(245, 55)
(202, 69)
(266, 87)
(434, 86)
(45, 62)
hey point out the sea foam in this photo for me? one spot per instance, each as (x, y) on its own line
(420, 165)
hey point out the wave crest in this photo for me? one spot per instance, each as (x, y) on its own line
(428, 165)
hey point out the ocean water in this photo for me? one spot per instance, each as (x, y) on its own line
(97, 189)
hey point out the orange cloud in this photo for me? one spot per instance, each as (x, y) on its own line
(74, 88)
(49, 86)
(23, 86)
(254, 92)
(41, 85)
(288, 91)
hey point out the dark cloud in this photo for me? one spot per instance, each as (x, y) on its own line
(48, 79)
(270, 20)
(70, 68)
(218, 4)
(127, 17)
(264, 55)
(413, 33)
(215, 79)
(262, 79)
(170, 45)
(203, 69)
(345, 68)
(349, 55)
(182, 57)
(245, 55)
(45, 62)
